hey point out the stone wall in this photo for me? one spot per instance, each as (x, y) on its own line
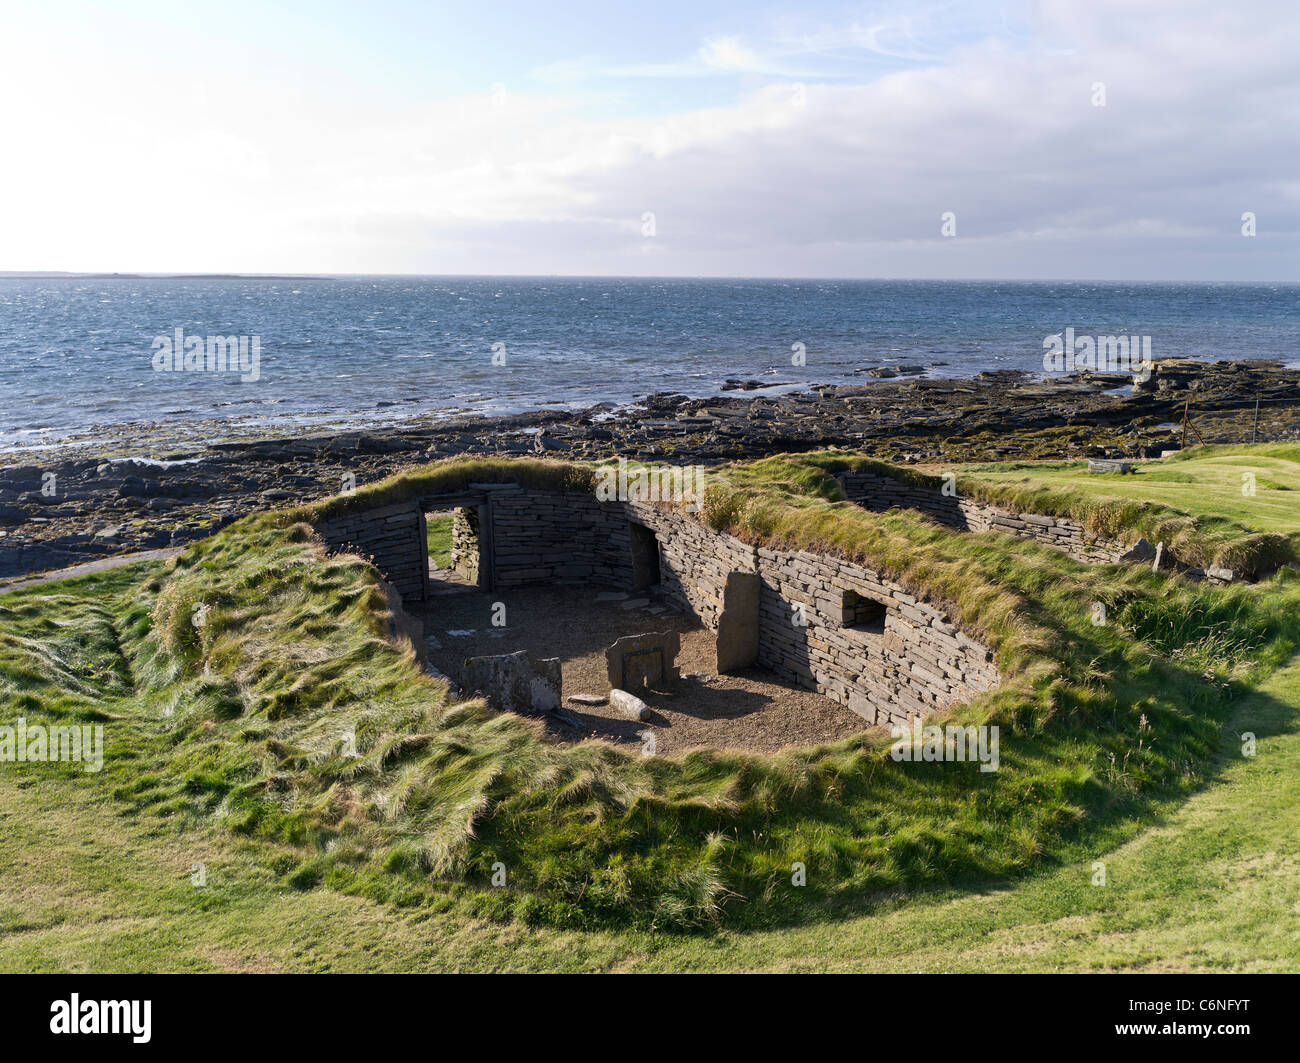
(392, 538)
(694, 560)
(557, 537)
(879, 493)
(915, 662)
(465, 543)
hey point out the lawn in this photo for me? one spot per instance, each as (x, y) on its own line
(1210, 481)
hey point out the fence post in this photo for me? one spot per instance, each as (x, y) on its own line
(1255, 427)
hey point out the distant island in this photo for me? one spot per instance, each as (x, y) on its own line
(65, 275)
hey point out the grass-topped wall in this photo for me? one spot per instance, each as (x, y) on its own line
(1215, 524)
(451, 477)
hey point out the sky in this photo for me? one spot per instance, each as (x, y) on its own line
(1027, 139)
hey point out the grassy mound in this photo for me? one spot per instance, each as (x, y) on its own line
(253, 682)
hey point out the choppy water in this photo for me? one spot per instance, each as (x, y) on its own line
(77, 355)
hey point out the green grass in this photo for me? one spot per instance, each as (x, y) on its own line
(1193, 502)
(291, 722)
(1208, 484)
(438, 529)
(85, 888)
(456, 474)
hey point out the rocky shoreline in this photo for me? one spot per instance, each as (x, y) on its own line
(77, 506)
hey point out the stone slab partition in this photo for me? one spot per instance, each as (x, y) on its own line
(879, 493)
(798, 614)
(738, 623)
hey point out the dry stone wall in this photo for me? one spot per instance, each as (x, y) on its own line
(557, 537)
(915, 663)
(694, 560)
(465, 543)
(392, 537)
(879, 493)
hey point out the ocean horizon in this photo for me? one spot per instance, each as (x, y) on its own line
(83, 354)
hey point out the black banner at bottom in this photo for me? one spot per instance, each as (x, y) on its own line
(337, 1012)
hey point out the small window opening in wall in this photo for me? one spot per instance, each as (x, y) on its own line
(863, 614)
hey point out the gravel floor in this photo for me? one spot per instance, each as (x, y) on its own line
(751, 711)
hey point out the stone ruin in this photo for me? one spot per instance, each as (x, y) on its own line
(822, 623)
(878, 493)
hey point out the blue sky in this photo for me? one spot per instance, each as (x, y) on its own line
(774, 140)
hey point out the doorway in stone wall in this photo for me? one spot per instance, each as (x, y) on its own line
(453, 541)
(645, 557)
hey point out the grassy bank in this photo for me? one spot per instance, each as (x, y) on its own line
(289, 719)
(85, 888)
(1231, 506)
(1248, 488)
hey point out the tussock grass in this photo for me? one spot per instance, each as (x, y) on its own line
(291, 716)
(451, 476)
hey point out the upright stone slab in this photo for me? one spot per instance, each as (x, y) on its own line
(516, 682)
(1139, 551)
(738, 622)
(642, 660)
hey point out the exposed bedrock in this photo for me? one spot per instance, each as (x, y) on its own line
(67, 506)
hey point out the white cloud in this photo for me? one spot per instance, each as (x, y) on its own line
(727, 53)
(821, 179)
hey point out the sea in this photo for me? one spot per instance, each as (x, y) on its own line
(103, 357)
